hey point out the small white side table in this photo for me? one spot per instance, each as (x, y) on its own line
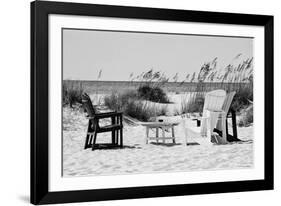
(159, 125)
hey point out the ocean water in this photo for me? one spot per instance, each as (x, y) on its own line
(177, 87)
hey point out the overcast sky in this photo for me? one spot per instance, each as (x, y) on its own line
(118, 54)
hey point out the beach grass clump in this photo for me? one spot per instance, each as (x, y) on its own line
(194, 104)
(247, 117)
(161, 111)
(190, 103)
(243, 98)
(154, 94)
(113, 102)
(138, 110)
(71, 93)
(130, 104)
(151, 84)
(118, 101)
(143, 111)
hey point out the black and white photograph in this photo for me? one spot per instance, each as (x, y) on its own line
(133, 103)
(138, 102)
(141, 102)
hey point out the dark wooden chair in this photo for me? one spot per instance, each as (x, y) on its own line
(116, 126)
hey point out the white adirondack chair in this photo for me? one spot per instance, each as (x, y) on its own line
(212, 109)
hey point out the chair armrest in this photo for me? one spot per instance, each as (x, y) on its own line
(200, 118)
(107, 115)
(222, 114)
(205, 118)
(195, 118)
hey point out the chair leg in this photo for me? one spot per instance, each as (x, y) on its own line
(113, 137)
(91, 139)
(157, 134)
(86, 141)
(121, 137)
(234, 126)
(87, 136)
(117, 131)
(117, 137)
(147, 135)
(173, 134)
(226, 126)
(224, 131)
(94, 142)
(163, 134)
(113, 133)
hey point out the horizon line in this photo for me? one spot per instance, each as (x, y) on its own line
(146, 82)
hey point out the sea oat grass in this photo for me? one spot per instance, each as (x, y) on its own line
(130, 104)
(71, 93)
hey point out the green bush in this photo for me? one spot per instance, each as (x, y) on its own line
(154, 94)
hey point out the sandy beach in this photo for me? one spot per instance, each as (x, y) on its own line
(138, 157)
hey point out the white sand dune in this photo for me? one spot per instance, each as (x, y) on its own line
(138, 157)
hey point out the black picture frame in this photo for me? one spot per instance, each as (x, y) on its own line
(40, 99)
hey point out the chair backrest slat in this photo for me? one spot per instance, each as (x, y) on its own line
(87, 104)
(228, 100)
(214, 100)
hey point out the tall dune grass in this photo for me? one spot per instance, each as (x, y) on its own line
(135, 103)
(247, 117)
(132, 106)
(238, 78)
(71, 92)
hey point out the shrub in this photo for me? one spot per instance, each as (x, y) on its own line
(242, 98)
(162, 111)
(247, 117)
(143, 111)
(154, 94)
(130, 104)
(195, 104)
(117, 101)
(71, 92)
(138, 110)
(112, 101)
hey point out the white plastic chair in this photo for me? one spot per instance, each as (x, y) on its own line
(212, 110)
